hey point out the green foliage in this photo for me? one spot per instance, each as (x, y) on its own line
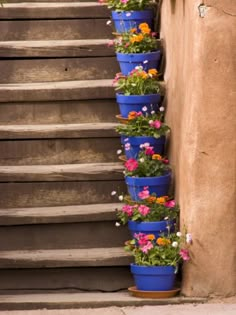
(143, 126)
(138, 82)
(128, 5)
(134, 42)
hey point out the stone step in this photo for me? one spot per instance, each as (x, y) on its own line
(58, 144)
(73, 235)
(105, 278)
(90, 300)
(66, 29)
(64, 258)
(57, 91)
(59, 112)
(56, 48)
(61, 214)
(58, 69)
(58, 173)
(58, 185)
(50, 10)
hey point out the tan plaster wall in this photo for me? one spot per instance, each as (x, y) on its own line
(200, 77)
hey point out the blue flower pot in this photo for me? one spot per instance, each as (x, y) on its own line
(159, 185)
(158, 145)
(126, 20)
(148, 61)
(153, 278)
(157, 228)
(129, 103)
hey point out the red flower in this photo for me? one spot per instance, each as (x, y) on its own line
(131, 165)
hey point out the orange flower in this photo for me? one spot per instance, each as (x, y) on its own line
(136, 38)
(132, 115)
(163, 241)
(151, 237)
(133, 30)
(156, 157)
(161, 199)
(144, 28)
(143, 74)
(151, 199)
(152, 71)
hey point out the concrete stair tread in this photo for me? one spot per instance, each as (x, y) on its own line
(56, 300)
(50, 10)
(61, 214)
(43, 131)
(70, 172)
(56, 48)
(52, 91)
(55, 258)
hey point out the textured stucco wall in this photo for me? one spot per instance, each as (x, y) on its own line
(200, 75)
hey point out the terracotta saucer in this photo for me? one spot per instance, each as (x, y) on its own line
(122, 120)
(153, 294)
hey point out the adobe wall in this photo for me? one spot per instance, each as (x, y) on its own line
(200, 77)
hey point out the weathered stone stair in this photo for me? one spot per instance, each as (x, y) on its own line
(58, 162)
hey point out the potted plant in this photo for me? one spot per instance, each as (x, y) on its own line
(136, 47)
(149, 169)
(127, 14)
(137, 92)
(157, 259)
(151, 215)
(143, 130)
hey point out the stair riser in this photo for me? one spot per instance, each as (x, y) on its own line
(58, 112)
(63, 236)
(69, 69)
(54, 29)
(58, 151)
(39, 194)
(105, 278)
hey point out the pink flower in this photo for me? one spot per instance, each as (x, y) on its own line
(184, 253)
(144, 194)
(165, 161)
(110, 43)
(131, 165)
(128, 209)
(146, 247)
(124, 1)
(149, 151)
(127, 146)
(143, 210)
(170, 204)
(156, 124)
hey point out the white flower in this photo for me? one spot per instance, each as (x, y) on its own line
(175, 244)
(108, 22)
(121, 198)
(126, 139)
(179, 234)
(162, 109)
(153, 112)
(133, 84)
(144, 109)
(166, 218)
(189, 238)
(119, 152)
(139, 67)
(146, 145)
(123, 172)
(141, 160)
(127, 146)
(128, 14)
(117, 224)
(145, 61)
(113, 193)
(150, 122)
(141, 146)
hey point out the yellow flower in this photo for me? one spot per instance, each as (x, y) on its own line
(156, 157)
(152, 71)
(162, 241)
(151, 237)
